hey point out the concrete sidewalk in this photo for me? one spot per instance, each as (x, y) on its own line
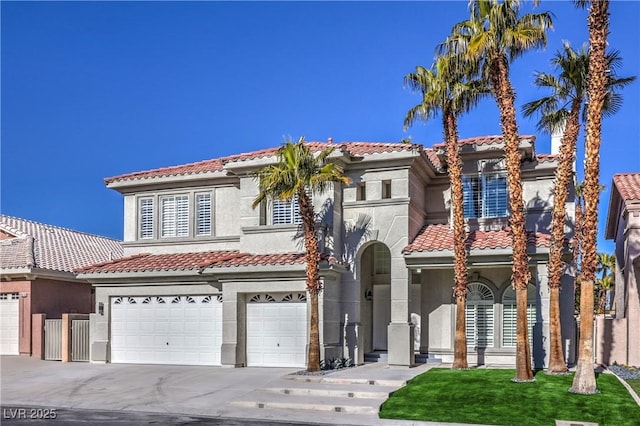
(196, 390)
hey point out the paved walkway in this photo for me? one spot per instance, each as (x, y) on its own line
(206, 391)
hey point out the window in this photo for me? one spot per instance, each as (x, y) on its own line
(509, 317)
(175, 216)
(485, 196)
(479, 316)
(203, 214)
(146, 218)
(286, 212)
(382, 259)
(386, 189)
(361, 191)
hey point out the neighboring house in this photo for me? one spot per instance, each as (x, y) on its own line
(210, 280)
(618, 338)
(36, 270)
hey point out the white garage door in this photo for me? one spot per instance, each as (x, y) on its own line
(9, 331)
(277, 330)
(166, 330)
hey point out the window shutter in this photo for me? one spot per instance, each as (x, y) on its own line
(168, 217)
(510, 318)
(479, 316)
(203, 217)
(175, 216)
(146, 218)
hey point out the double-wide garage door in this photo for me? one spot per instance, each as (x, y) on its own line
(9, 331)
(166, 330)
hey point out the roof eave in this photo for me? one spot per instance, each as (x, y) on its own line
(125, 183)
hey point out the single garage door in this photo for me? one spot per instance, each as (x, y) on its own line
(166, 330)
(9, 331)
(277, 330)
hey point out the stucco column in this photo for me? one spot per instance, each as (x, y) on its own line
(400, 330)
(540, 336)
(233, 326)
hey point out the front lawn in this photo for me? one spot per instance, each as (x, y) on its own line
(635, 384)
(489, 397)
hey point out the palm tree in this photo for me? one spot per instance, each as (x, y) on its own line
(494, 36)
(297, 172)
(607, 268)
(561, 111)
(584, 380)
(450, 94)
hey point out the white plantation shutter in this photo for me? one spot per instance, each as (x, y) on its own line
(510, 319)
(175, 216)
(286, 212)
(479, 315)
(146, 217)
(203, 216)
(485, 196)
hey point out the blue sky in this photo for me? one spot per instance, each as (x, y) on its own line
(96, 89)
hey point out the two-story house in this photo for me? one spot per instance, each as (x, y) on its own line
(207, 279)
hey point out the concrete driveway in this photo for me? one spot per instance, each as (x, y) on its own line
(167, 389)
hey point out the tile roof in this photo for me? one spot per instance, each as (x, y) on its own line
(217, 165)
(543, 158)
(191, 261)
(483, 140)
(628, 185)
(440, 237)
(38, 245)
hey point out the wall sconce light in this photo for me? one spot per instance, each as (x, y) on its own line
(24, 294)
(418, 271)
(368, 295)
(101, 308)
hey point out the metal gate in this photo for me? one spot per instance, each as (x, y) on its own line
(53, 340)
(79, 340)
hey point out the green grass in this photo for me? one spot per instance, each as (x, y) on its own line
(635, 384)
(489, 397)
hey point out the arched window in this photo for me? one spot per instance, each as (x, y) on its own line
(509, 317)
(479, 316)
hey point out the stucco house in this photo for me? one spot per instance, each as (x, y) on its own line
(36, 276)
(207, 279)
(618, 337)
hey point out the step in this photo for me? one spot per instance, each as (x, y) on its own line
(427, 359)
(334, 390)
(270, 400)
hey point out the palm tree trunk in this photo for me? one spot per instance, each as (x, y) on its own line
(564, 174)
(314, 287)
(454, 164)
(583, 381)
(520, 276)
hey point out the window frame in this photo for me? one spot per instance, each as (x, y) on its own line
(479, 198)
(141, 220)
(472, 305)
(197, 214)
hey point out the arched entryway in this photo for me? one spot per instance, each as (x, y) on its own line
(375, 284)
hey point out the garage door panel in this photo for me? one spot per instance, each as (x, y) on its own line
(166, 330)
(276, 333)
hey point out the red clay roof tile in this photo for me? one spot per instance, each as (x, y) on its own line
(440, 238)
(216, 165)
(483, 140)
(628, 185)
(191, 261)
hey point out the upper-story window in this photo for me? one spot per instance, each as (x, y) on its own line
(285, 212)
(173, 217)
(485, 195)
(146, 218)
(203, 214)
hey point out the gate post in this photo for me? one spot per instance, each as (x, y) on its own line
(66, 337)
(37, 335)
